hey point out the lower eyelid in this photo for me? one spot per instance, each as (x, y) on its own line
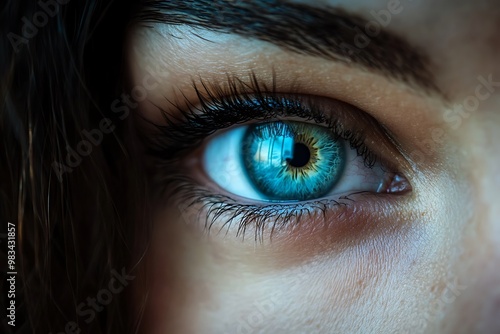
(353, 217)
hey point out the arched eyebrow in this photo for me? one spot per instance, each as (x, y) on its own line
(326, 32)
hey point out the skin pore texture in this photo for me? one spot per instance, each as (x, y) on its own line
(421, 262)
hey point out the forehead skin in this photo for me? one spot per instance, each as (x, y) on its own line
(457, 265)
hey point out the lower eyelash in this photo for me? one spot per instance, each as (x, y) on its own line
(260, 218)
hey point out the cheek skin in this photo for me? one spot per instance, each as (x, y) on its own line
(216, 284)
(477, 308)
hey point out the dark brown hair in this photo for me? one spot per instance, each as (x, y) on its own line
(61, 67)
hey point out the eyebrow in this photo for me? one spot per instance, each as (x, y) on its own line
(327, 32)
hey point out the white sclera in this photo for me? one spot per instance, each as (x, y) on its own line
(222, 162)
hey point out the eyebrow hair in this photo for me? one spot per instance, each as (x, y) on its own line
(325, 32)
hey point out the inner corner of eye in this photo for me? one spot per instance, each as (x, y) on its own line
(395, 183)
(291, 161)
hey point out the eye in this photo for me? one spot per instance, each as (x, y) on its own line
(288, 161)
(240, 153)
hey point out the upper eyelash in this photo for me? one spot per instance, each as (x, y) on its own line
(220, 107)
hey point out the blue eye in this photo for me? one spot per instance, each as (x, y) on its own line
(286, 161)
(289, 161)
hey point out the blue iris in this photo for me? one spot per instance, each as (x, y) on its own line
(292, 160)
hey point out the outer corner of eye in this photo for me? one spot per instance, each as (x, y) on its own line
(291, 161)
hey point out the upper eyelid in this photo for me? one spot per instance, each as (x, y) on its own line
(210, 93)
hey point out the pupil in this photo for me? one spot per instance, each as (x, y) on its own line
(301, 155)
